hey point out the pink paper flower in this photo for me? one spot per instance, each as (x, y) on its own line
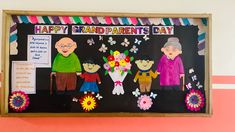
(106, 66)
(128, 66)
(144, 102)
(122, 56)
(194, 100)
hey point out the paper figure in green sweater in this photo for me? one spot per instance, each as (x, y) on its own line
(66, 66)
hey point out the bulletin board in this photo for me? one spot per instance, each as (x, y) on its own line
(106, 64)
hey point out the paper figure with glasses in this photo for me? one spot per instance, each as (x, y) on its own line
(66, 66)
(170, 67)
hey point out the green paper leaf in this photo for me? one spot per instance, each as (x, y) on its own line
(105, 59)
(112, 69)
(122, 73)
(106, 72)
(111, 52)
(132, 58)
(129, 71)
(126, 52)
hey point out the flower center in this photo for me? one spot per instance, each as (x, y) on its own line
(144, 102)
(89, 102)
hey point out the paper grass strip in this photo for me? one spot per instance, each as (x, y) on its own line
(88, 102)
(19, 101)
(194, 100)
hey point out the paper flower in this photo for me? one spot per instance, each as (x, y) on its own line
(144, 102)
(194, 100)
(19, 101)
(88, 102)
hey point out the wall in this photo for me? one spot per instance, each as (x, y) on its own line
(222, 69)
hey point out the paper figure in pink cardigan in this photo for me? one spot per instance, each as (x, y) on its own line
(170, 66)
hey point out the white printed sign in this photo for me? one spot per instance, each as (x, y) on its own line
(39, 50)
(23, 77)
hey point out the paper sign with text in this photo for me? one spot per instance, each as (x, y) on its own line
(39, 50)
(23, 77)
(51, 29)
(163, 30)
(109, 30)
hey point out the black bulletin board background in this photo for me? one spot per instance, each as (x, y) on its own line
(166, 101)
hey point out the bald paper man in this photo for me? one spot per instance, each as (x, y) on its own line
(66, 65)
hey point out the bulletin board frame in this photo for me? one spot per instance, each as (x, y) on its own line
(7, 21)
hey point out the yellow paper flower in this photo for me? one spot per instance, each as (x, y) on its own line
(115, 53)
(88, 103)
(111, 63)
(122, 62)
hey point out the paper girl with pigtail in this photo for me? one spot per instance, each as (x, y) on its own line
(170, 67)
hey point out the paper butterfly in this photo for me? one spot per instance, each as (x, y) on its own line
(111, 41)
(100, 38)
(90, 41)
(153, 95)
(134, 49)
(103, 48)
(146, 38)
(199, 85)
(191, 70)
(194, 78)
(125, 42)
(75, 99)
(136, 93)
(98, 96)
(189, 86)
(137, 41)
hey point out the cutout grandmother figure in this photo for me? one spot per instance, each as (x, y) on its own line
(66, 65)
(170, 66)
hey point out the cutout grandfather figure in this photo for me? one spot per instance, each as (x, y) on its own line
(66, 65)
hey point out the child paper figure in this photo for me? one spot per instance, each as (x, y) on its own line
(90, 77)
(66, 65)
(145, 74)
(170, 67)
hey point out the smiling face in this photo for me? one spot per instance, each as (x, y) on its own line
(144, 64)
(91, 68)
(171, 52)
(65, 46)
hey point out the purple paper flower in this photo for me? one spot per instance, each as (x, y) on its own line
(194, 100)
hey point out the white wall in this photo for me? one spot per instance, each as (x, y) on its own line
(223, 35)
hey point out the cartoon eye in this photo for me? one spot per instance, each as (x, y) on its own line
(137, 41)
(146, 38)
(90, 41)
(111, 41)
(153, 95)
(136, 93)
(134, 49)
(125, 42)
(103, 48)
